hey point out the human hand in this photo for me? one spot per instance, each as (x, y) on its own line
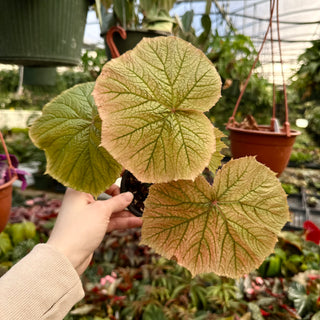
(82, 223)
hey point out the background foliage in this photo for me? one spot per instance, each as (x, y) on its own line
(305, 87)
(145, 286)
(233, 57)
(128, 281)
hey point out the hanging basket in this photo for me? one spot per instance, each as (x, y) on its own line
(5, 202)
(271, 147)
(42, 33)
(118, 40)
(6, 191)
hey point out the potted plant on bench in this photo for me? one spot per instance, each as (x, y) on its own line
(145, 113)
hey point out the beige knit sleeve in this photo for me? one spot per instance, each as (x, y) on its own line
(43, 285)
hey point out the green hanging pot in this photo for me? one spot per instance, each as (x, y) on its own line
(42, 33)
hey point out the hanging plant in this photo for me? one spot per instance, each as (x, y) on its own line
(8, 175)
(6, 172)
(271, 144)
(147, 115)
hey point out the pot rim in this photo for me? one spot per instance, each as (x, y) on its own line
(265, 131)
(8, 183)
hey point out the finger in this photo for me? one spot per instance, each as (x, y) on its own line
(71, 193)
(122, 214)
(113, 190)
(124, 223)
(119, 202)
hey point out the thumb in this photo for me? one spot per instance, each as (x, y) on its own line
(119, 202)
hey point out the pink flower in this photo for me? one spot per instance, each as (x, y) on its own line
(108, 279)
(29, 202)
(259, 281)
(313, 277)
(250, 291)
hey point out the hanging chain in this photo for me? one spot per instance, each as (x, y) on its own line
(273, 119)
(286, 125)
(231, 120)
(11, 167)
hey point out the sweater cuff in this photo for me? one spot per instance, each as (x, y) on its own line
(43, 285)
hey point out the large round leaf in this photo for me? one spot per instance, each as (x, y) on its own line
(151, 101)
(69, 131)
(228, 228)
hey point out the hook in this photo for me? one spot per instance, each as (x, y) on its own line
(109, 39)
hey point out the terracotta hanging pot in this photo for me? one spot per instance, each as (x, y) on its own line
(271, 144)
(5, 202)
(6, 189)
(273, 149)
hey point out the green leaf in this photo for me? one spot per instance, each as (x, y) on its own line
(151, 101)
(5, 243)
(22, 249)
(228, 228)
(21, 231)
(69, 131)
(217, 156)
(303, 302)
(255, 311)
(124, 11)
(16, 232)
(153, 312)
(187, 20)
(29, 229)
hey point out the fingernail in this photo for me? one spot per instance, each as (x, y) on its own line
(127, 196)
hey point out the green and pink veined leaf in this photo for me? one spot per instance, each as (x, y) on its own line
(69, 132)
(228, 228)
(151, 101)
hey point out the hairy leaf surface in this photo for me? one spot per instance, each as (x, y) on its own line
(228, 228)
(69, 132)
(151, 101)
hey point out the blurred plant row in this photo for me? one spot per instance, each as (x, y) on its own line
(128, 281)
(233, 56)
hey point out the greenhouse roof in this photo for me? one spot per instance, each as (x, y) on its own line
(299, 25)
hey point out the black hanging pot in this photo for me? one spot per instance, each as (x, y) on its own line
(119, 40)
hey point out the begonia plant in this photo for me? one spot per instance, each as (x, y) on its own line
(145, 113)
